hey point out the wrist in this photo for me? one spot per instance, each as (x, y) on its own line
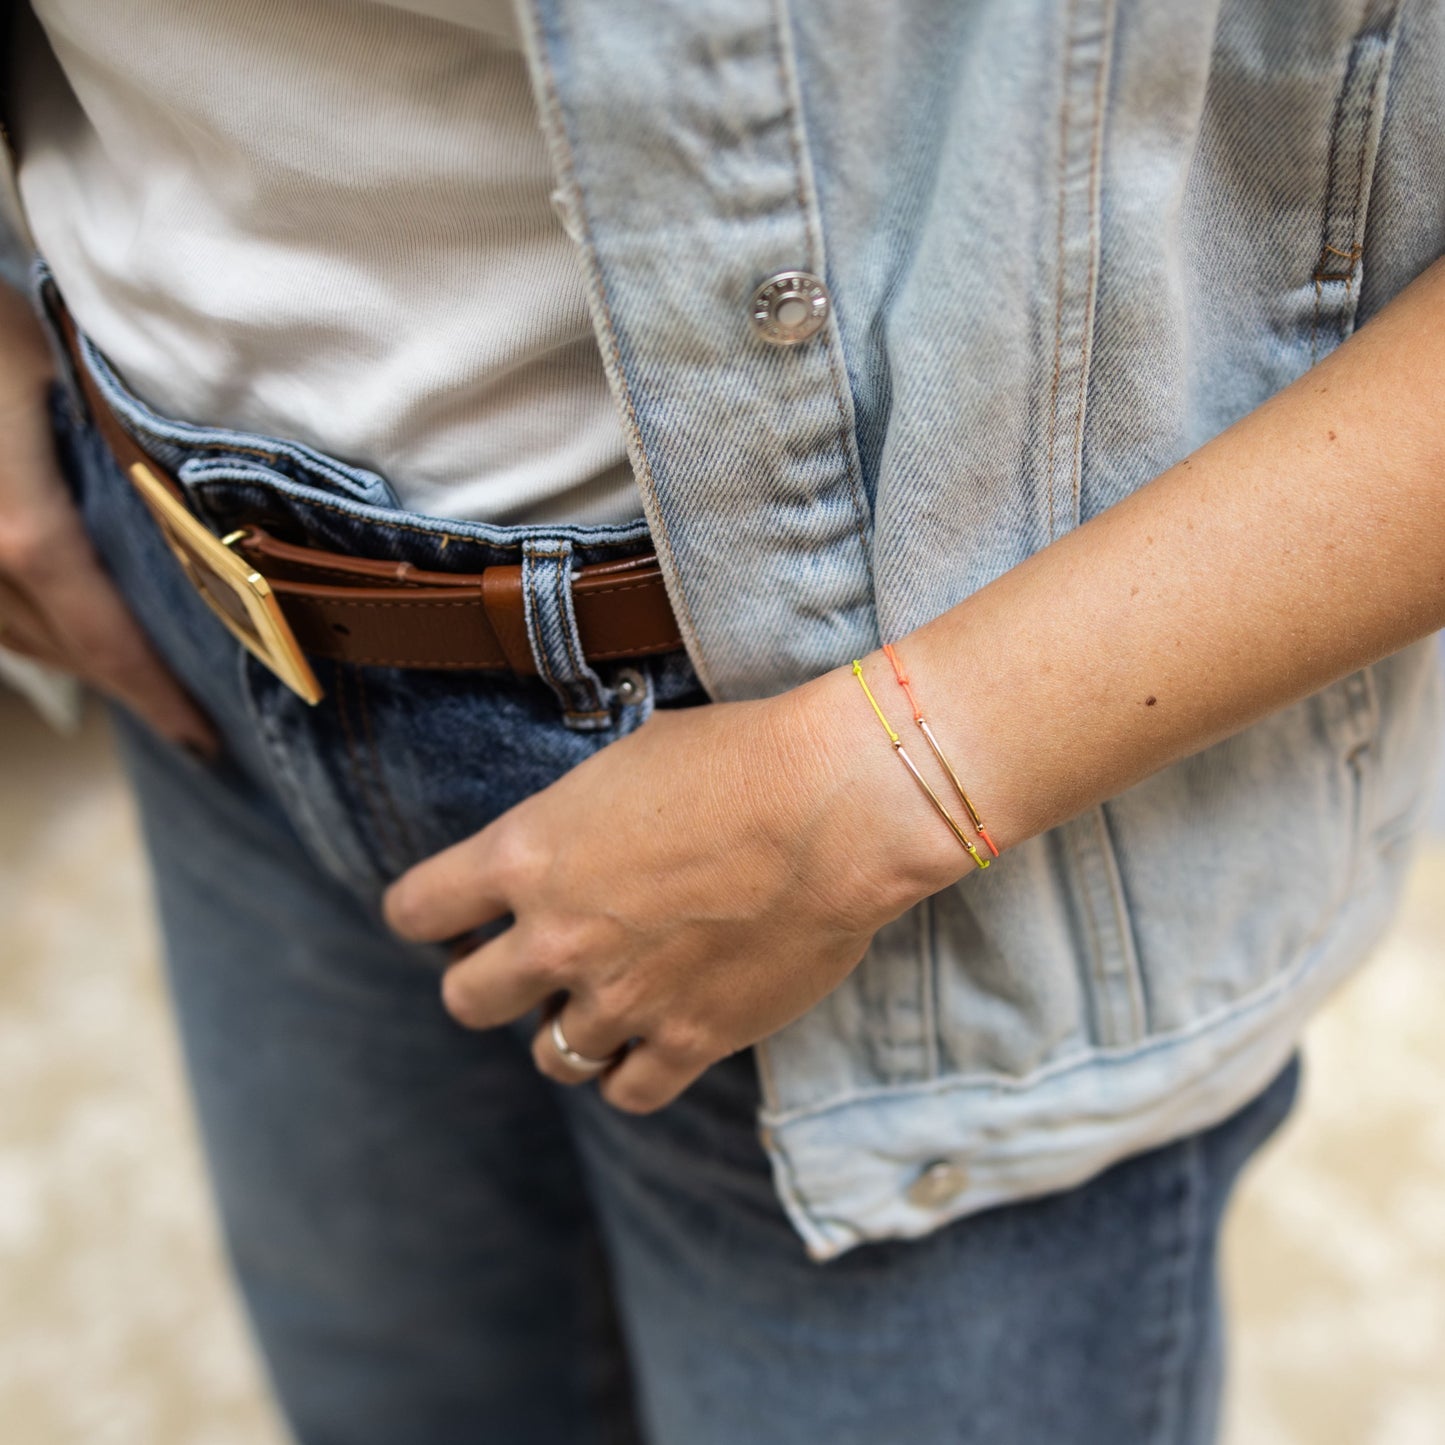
(872, 811)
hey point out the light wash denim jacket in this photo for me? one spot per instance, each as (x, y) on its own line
(1066, 241)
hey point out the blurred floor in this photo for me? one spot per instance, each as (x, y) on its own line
(117, 1327)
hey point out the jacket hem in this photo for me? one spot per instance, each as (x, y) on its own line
(843, 1168)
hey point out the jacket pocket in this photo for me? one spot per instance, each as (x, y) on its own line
(1238, 861)
(1354, 145)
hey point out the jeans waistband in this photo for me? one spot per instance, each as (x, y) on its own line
(232, 478)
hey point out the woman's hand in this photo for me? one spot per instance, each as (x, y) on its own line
(57, 605)
(692, 887)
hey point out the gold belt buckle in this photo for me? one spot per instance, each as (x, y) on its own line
(238, 594)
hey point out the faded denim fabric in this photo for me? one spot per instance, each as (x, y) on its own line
(437, 1245)
(1067, 241)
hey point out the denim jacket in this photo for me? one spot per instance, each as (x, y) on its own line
(1064, 242)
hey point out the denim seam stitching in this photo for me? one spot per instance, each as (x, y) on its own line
(208, 482)
(1066, 117)
(1086, 343)
(1169, 1420)
(529, 615)
(1357, 247)
(355, 772)
(580, 685)
(566, 618)
(803, 194)
(928, 988)
(215, 478)
(1096, 1000)
(313, 836)
(1062, 174)
(1306, 960)
(1377, 24)
(536, 636)
(139, 419)
(1123, 922)
(404, 837)
(597, 293)
(1326, 246)
(1361, 770)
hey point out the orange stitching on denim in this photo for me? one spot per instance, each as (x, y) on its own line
(1353, 254)
(1350, 256)
(1322, 276)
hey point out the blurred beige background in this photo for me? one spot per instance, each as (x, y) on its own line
(117, 1326)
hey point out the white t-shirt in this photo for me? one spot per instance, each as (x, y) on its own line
(328, 220)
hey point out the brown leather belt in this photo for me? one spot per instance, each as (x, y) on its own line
(287, 603)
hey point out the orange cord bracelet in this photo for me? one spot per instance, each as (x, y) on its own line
(938, 751)
(918, 777)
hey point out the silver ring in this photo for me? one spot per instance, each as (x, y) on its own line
(579, 1063)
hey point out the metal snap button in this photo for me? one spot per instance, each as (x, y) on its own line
(790, 307)
(938, 1184)
(629, 685)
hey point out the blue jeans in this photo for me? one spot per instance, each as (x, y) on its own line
(438, 1246)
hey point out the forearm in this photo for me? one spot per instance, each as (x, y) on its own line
(1299, 545)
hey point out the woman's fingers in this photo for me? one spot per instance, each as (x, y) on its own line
(497, 983)
(107, 649)
(23, 628)
(649, 1077)
(454, 891)
(24, 623)
(59, 606)
(586, 1032)
(646, 1068)
(509, 977)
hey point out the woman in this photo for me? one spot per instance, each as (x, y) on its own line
(854, 318)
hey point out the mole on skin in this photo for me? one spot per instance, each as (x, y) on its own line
(1150, 701)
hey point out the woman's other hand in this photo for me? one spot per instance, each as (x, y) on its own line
(57, 604)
